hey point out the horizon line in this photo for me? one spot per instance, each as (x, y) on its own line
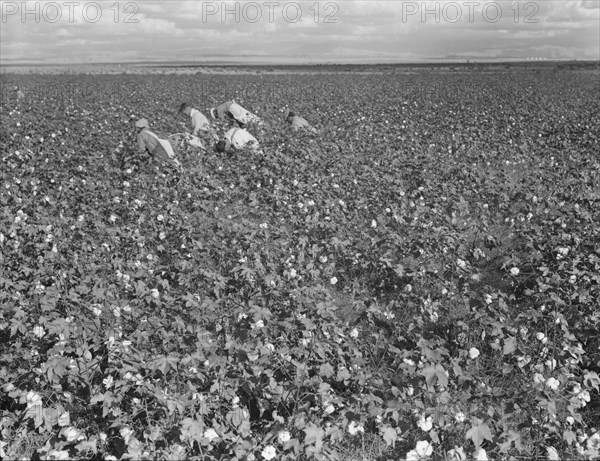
(242, 62)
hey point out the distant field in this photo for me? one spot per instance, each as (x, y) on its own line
(420, 280)
(240, 68)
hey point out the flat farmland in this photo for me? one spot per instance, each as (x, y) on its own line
(418, 280)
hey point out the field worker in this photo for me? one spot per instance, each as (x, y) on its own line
(20, 94)
(148, 142)
(236, 138)
(232, 110)
(199, 120)
(297, 122)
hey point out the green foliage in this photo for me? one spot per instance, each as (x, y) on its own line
(422, 277)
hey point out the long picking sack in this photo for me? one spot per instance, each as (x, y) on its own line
(168, 149)
(165, 144)
(183, 139)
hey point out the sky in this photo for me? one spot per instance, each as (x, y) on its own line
(284, 31)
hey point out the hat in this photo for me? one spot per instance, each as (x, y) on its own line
(286, 113)
(142, 123)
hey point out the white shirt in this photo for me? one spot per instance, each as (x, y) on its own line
(199, 121)
(241, 114)
(239, 138)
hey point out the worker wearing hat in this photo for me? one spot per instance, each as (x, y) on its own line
(296, 122)
(232, 110)
(149, 142)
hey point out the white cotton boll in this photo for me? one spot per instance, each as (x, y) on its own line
(473, 353)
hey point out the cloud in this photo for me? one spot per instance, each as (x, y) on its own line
(64, 33)
(158, 27)
(424, 29)
(590, 4)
